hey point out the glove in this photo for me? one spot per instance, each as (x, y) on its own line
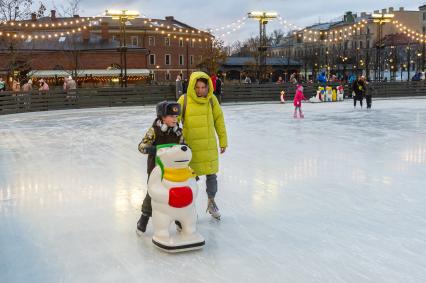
(150, 149)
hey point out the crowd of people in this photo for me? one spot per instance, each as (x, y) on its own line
(27, 85)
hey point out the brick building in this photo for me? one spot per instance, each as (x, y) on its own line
(342, 49)
(156, 49)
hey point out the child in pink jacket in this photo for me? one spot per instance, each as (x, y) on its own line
(298, 101)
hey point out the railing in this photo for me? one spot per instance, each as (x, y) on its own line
(111, 97)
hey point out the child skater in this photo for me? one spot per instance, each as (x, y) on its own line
(298, 101)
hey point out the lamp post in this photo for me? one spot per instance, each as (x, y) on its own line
(419, 58)
(408, 60)
(380, 20)
(423, 50)
(123, 16)
(263, 18)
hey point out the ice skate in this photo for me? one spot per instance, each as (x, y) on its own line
(213, 209)
(178, 226)
(142, 223)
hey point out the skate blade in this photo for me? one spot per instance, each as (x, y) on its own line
(215, 217)
(140, 233)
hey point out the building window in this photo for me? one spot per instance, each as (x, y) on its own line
(424, 16)
(192, 43)
(134, 40)
(152, 59)
(167, 59)
(151, 41)
(168, 76)
(191, 60)
(360, 45)
(115, 38)
(181, 60)
(167, 41)
(200, 58)
(181, 42)
(368, 44)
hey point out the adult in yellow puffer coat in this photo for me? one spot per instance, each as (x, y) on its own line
(202, 120)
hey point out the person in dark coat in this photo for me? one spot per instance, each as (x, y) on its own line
(185, 85)
(369, 94)
(218, 91)
(165, 129)
(359, 87)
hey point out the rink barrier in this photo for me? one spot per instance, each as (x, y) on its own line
(134, 96)
(83, 98)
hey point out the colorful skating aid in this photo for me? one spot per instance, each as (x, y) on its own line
(334, 95)
(329, 94)
(340, 93)
(318, 98)
(282, 96)
(173, 190)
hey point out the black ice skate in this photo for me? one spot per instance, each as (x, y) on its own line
(178, 226)
(143, 221)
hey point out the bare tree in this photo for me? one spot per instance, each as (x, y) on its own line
(41, 10)
(71, 8)
(71, 45)
(17, 10)
(276, 36)
(213, 57)
(13, 10)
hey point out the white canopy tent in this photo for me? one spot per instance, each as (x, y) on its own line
(88, 72)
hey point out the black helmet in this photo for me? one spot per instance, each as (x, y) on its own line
(168, 108)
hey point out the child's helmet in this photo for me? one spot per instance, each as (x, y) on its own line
(168, 108)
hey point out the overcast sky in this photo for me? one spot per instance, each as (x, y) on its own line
(212, 14)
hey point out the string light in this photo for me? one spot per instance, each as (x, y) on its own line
(234, 29)
(44, 35)
(72, 26)
(409, 32)
(312, 34)
(28, 25)
(230, 26)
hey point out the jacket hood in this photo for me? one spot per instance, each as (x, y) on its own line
(191, 87)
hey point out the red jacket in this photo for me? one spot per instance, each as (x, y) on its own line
(298, 98)
(214, 79)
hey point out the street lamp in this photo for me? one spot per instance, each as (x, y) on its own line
(123, 16)
(263, 18)
(380, 19)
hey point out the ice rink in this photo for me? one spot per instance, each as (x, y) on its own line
(337, 197)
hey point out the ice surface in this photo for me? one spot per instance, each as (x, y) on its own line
(337, 197)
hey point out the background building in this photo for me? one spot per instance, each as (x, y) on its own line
(157, 49)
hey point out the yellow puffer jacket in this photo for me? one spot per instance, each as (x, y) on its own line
(202, 121)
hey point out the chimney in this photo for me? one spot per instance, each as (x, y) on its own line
(33, 17)
(104, 31)
(401, 9)
(384, 11)
(391, 10)
(363, 15)
(376, 12)
(170, 18)
(76, 16)
(53, 15)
